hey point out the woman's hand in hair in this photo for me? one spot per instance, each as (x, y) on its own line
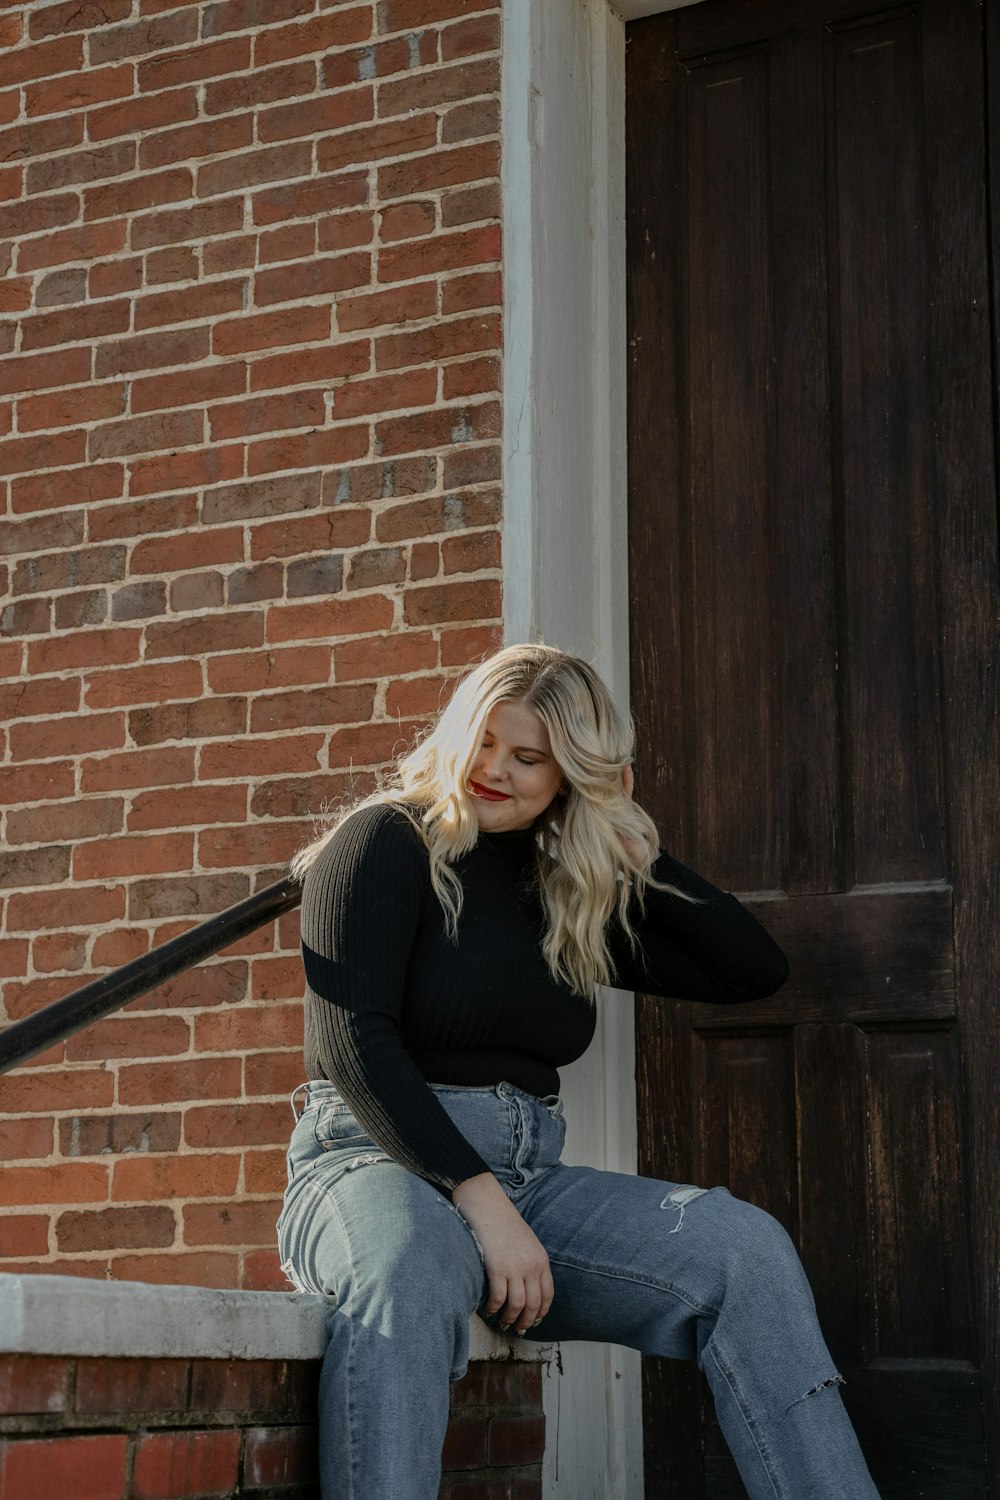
(636, 851)
(517, 1266)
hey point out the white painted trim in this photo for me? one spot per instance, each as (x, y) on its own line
(631, 10)
(565, 555)
(71, 1315)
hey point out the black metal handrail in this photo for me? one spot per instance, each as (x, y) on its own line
(84, 1006)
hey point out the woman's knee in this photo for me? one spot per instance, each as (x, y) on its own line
(759, 1251)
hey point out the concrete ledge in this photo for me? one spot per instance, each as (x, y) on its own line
(131, 1319)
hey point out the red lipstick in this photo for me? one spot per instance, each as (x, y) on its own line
(482, 791)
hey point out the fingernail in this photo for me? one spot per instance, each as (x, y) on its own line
(504, 1327)
(521, 1332)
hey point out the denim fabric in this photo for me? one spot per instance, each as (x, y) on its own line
(667, 1268)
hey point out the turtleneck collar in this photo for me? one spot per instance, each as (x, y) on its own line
(510, 843)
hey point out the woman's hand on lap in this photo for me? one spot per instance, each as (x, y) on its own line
(517, 1266)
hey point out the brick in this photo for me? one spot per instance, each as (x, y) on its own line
(185, 1463)
(280, 1456)
(447, 251)
(194, 895)
(135, 116)
(371, 744)
(170, 226)
(174, 263)
(460, 647)
(407, 221)
(151, 1226)
(28, 867)
(300, 325)
(74, 1182)
(469, 205)
(95, 86)
(347, 230)
(232, 631)
(331, 361)
(79, 906)
(177, 1269)
(90, 165)
(87, 242)
(105, 1386)
(262, 86)
(334, 273)
(332, 617)
(230, 1223)
(19, 455)
(172, 429)
(516, 1440)
(466, 38)
(139, 768)
(211, 717)
(440, 428)
(84, 734)
(108, 858)
(150, 351)
(464, 293)
(143, 684)
(292, 242)
(40, 695)
(358, 398)
(186, 143)
(251, 168)
(88, 1468)
(265, 1171)
(212, 983)
(26, 617)
(39, 137)
(36, 783)
(234, 254)
(278, 978)
(274, 1072)
(25, 1140)
(385, 656)
(208, 60)
(58, 953)
(332, 446)
(157, 1178)
(197, 591)
(74, 323)
(267, 414)
(71, 407)
(244, 1385)
(294, 710)
(261, 497)
(139, 601)
(32, 1382)
(219, 1125)
(399, 15)
(373, 143)
(72, 15)
(115, 277)
(319, 195)
(100, 1135)
(43, 371)
(476, 466)
(156, 1083)
(189, 387)
(468, 122)
(396, 305)
(190, 470)
(76, 819)
(297, 753)
(149, 190)
(188, 807)
(473, 377)
(470, 554)
(346, 25)
(435, 86)
(453, 601)
(340, 528)
(313, 116)
(83, 649)
(247, 1028)
(363, 483)
(15, 296)
(342, 68)
(20, 65)
(464, 1444)
(114, 948)
(315, 575)
(376, 567)
(137, 39)
(63, 487)
(259, 845)
(164, 513)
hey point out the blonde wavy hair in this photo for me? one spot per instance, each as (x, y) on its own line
(585, 873)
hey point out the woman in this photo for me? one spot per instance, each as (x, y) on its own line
(454, 929)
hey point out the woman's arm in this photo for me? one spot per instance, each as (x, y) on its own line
(361, 906)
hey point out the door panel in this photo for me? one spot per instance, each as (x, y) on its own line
(812, 531)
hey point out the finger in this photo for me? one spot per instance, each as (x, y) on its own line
(498, 1295)
(515, 1302)
(530, 1311)
(548, 1291)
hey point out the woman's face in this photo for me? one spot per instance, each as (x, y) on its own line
(515, 762)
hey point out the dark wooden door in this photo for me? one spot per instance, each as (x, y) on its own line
(814, 577)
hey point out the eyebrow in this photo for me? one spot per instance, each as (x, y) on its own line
(531, 749)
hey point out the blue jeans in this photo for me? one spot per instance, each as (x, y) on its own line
(669, 1269)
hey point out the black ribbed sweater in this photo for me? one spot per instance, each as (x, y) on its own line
(393, 1005)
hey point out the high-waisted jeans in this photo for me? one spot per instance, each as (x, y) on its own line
(666, 1268)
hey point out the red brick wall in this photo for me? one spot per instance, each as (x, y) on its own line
(249, 466)
(143, 1429)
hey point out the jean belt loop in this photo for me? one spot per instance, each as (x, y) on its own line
(295, 1092)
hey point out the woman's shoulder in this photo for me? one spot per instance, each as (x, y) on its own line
(376, 832)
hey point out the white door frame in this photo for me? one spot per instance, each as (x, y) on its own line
(565, 549)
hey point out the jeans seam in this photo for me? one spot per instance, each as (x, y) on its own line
(647, 1281)
(727, 1375)
(352, 1426)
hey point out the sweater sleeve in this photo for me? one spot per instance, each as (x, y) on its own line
(712, 950)
(361, 904)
